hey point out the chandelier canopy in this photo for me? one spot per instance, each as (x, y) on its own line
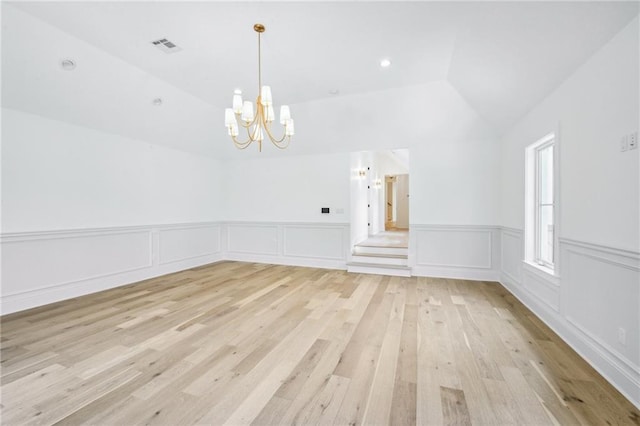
(259, 124)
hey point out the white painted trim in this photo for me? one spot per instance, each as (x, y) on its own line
(276, 223)
(625, 265)
(621, 372)
(282, 256)
(241, 225)
(539, 278)
(508, 276)
(608, 349)
(31, 299)
(7, 237)
(542, 273)
(340, 257)
(158, 235)
(626, 382)
(489, 270)
(516, 232)
(470, 274)
(487, 265)
(155, 266)
(441, 227)
(631, 254)
(288, 261)
(42, 295)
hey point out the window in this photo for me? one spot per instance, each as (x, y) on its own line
(544, 205)
(540, 205)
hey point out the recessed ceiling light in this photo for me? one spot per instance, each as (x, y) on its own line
(237, 92)
(385, 63)
(334, 92)
(157, 102)
(68, 64)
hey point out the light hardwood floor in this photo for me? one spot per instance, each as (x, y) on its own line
(241, 343)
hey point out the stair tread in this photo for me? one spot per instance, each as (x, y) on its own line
(382, 247)
(393, 256)
(378, 265)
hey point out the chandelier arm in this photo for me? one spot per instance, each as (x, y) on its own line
(274, 140)
(240, 144)
(285, 146)
(245, 144)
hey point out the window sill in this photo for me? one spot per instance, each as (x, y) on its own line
(542, 272)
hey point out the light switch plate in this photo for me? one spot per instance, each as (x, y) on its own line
(633, 140)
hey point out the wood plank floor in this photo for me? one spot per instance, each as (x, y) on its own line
(240, 343)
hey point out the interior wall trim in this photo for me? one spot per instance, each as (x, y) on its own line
(584, 266)
(312, 244)
(43, 267)
(469, 252)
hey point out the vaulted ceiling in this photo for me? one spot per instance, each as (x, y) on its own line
(501, 57)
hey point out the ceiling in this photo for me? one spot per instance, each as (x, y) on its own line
(502, 57)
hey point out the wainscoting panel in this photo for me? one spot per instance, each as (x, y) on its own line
(328, 242)
(602, 291)
(596, 297)
(38, 261)
(39, 268)
(252, 238)
(188, 243)
(544, 288)
(465, 252)
(321, 245)
(512, 253)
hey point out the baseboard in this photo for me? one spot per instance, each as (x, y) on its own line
(44, 296)
(46, 267)
(471, 274)
(40, 268)
(615, 370)
(287, 261)
(467, 252)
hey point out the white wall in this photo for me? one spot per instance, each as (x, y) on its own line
(84, 211)
(455, 152)
(359, 194)
(599, 185)
(57, 175)
(287, 189)
(455, 182)
(596, 293)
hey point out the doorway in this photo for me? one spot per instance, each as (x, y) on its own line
(379, 193)
(396, 202)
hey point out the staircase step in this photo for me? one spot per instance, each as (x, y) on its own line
(380, 259)
(368, 250)
(378, 269)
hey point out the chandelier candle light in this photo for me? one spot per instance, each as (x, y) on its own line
(257, 124)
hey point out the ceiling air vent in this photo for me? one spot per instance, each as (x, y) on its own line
(166, 46)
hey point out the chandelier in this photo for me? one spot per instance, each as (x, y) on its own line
(259, 124)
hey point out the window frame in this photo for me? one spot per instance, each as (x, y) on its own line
(547, 142)
(531, 241)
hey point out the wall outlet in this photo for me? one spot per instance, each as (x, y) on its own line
(624, 143)
(622, 336)
(633, 140)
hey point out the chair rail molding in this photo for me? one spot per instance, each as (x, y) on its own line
(48, 266)
(596, 296)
